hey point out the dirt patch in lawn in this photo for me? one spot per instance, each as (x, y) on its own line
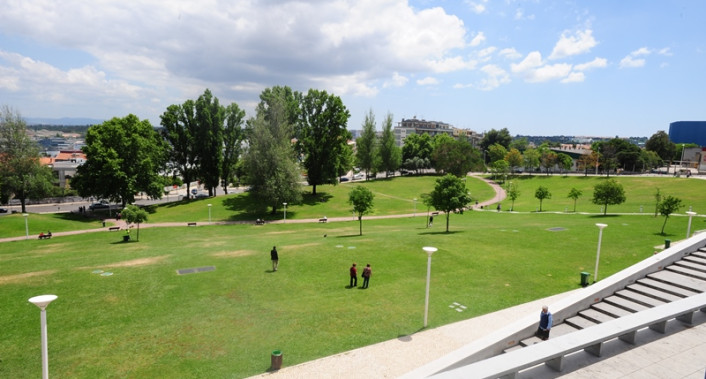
(22, 277)
(132, 262)
(232, 254)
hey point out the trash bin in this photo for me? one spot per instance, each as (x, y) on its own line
(276, 360)
(126, 238)
(667, 243)
(584, 278)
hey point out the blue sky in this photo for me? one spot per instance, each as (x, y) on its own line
(596, 68)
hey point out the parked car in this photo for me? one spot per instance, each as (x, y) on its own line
(99, 205)
(3, 210)
(358, 176)
(344, 179)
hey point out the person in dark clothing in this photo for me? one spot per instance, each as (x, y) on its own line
(274, 257)
(545, 324)
(367, 272)
(431, 221)
(354, 276)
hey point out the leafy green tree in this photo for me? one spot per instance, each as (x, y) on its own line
(531, 157)
(417, 146)
(389, 154)
(366, 145)
(233, 135)
(564, 161)
(667, 206)
(323, 136)
(501, 137)
(134, 215)
(288, 99)
(542, 193)
(346, 160)
(21, 174)
(179, 131)
(456, 157)
(209, 140)
(270, 160)
(500, 168)
(361, 198)
(513, 192)
(607, 193)
(662, 145)
(589, 161)
(650, 160)
(574, 194)
(521, 144)
(124, 156)
(548, 159)
(449, 194)
(513, 158)
(496, 152)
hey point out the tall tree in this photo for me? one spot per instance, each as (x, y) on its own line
(449, 194)
(531, 158)
(417, 146)
(456, 157)
(542, 193)
(496, 152)
(492, 137)
(21, 174)
(589, 161)
(548, 159)
(607, 193)
(289, 99)
(575, 193)
(662, 145)
(564, 161)
(366, 145)
(270, 159)
(667, 206)
(134, 214)
(180, 129)
(361, 198)
(124, 156)
(233, 135)
(513, 192)
(390, 155)
(514, 158)
(209, 140)
(323, 136)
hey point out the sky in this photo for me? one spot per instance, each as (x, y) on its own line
(589, 68)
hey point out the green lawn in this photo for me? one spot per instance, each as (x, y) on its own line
(146, 321)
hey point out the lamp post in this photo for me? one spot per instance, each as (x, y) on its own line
(285, 212)
(688, 228)
(415, 207)
(26, 225)
(598, 252)
(42, 302)
(429, 250)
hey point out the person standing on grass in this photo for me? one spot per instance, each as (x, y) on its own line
(354, 276)
(367, 272)
(431, 221)
(545, 324)
(274, 257)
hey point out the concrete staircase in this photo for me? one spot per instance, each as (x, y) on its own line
(683, 278)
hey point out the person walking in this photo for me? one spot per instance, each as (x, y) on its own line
(367, 272)
(545, 324)
(354, 276)
(431, 221)
(275, 258)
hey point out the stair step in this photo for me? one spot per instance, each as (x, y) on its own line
(509, 349)
(639, 298)
(666, 287)
(700, 253)
(611, 309)
(530, 341)
(651, 292)
(691, 265)
(680, 280)
(579, 322)
(625, 303)
(596, 316)
(695, 259)
(687, 271)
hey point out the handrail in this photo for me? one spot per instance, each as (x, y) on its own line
(552, 351)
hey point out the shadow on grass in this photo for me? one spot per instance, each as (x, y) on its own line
(442, 232)
(321, 197)
(82, 218)
(349, 236)
(604, 216)
(408, 337)
(664, 234)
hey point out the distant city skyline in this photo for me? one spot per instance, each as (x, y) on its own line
(542, 67)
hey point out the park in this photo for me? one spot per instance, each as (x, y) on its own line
(125, 310)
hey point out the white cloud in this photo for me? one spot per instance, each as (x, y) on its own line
(495, 76)
(569, 45)
(428, 81)
(596, 63)
(534, 70)
(477, 6)
(510, 53)
(574, 77)
(397, 80)
(665, 51)
(641, 51)
(520, 15)
(630, 62)
(450, 64)
(478, 39)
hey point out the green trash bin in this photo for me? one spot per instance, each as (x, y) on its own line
(584, 278)
(667, 243)
(276, 360)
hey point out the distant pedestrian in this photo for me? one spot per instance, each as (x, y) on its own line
(275, 258)
(367, 272)
(431, 221)
(545, 324)
(498, 207)
(354, 276)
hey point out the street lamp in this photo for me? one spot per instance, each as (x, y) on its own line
(415, 207)
(429, 250)
(598, 253)
(285, 212)
(42, 302)
(688, 228)
(209, 213)
(26, 225)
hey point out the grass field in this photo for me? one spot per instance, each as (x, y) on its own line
(146, 321)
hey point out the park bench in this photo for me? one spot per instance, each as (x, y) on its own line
(324, 220)
(191, 224)
(45, 236)
(259, 222)
(434, 213)
(114, 228)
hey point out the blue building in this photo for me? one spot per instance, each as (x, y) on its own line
(688, 132)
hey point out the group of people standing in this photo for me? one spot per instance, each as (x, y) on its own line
(367, 273)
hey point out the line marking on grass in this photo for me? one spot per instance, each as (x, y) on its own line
(185, 271)
(107, 274)
(557, 229)
(458, 307)
(97, 272)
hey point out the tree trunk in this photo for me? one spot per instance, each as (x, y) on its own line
(360, 223)
(138, 232)
(447, 221)
(664, 224)
(313, 189)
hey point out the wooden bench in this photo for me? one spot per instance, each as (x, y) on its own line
(591, 339)
(191, 224)
(114, 228)
(324, 220)
(44, 236)
(259, 222)
(434, 213)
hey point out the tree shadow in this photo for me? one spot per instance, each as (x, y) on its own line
(441, 232)
(604, 216)
(349, 236)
